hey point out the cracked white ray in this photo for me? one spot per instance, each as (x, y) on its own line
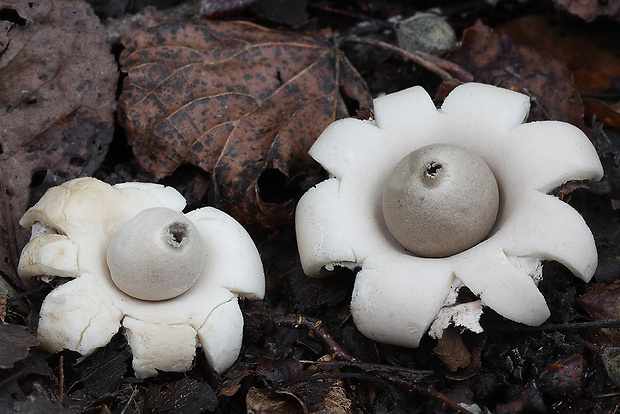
(221, 335)
(488, 273)
(486, 108)
(322, 239)
(405, 111)
(344, 144)
(152, 344)
(391, 299)
(77, 316)
(550, 229)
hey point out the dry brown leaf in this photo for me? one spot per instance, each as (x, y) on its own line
(57, 103)
(602, 302)
(237, 100)
(262, 401)
(185, 396)
(315, 396)
(589, 51)
(590, 10)
(608, 115)
(452, 350)
(495, 58)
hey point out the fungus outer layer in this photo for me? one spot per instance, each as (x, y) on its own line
(440, 200)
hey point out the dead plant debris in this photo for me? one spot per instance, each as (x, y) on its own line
(222, 101)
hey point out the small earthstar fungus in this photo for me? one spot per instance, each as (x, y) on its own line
(426, 201)
(172, 280)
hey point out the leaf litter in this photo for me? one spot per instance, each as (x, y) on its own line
(240, 103)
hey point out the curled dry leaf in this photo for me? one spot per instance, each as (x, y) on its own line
(57, 103)
(452, 350)
(608, 115)
(495, 58)
(237, 100)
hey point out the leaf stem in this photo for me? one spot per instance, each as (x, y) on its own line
(446, 70)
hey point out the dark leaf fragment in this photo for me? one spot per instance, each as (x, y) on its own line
(186, 396)
(452, 350)
(317, 393)
(564, 377)
(102, 373)
(38, 405)
(278, 371)
(234, 377)
(15, 342)
(608, 115)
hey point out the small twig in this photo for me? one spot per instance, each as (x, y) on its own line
(370, 367)
(133, 395)
(26, 293)
(446, 70)
(586, 344)
(62, 380)
(316, 329)
(347, 375)
(570, 326)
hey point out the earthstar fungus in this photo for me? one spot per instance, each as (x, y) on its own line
(81, 226)
(398, 294)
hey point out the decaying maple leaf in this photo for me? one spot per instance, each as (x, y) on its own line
(58, 81)
(235, 99)
(495, 58)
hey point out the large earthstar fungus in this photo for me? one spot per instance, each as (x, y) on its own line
(409, 188)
